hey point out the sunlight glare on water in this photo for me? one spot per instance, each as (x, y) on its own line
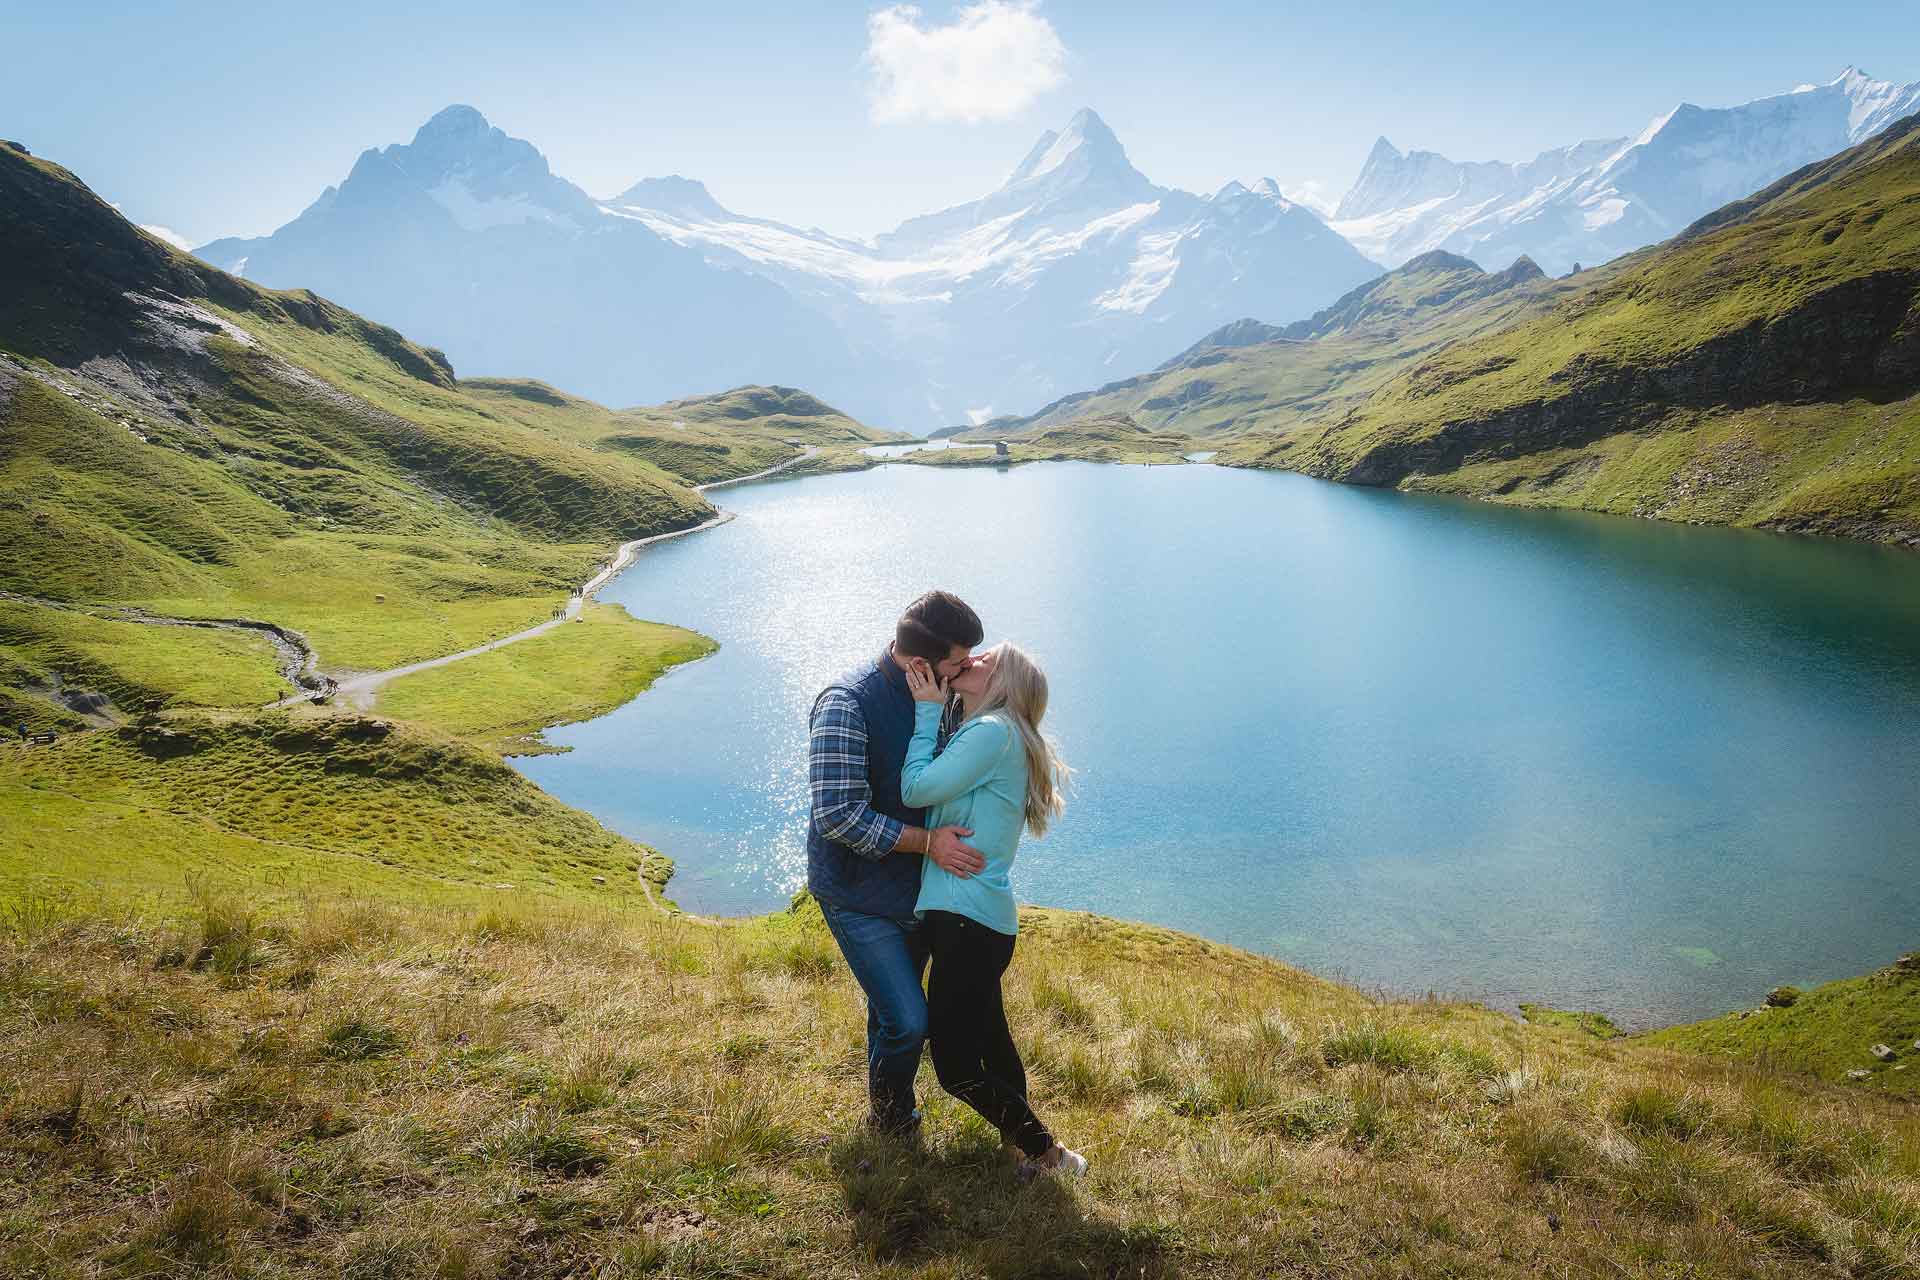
(1601, 763)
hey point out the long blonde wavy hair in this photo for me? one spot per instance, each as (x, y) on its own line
(1017, 689)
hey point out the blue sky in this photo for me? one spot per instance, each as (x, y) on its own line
(228, 118)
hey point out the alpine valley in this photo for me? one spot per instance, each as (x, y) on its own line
(1078, 268)
(300, 978)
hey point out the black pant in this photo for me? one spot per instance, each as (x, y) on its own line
(973, 1051)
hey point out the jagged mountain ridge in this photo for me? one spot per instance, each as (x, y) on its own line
(466, 239)
(1076, 264)
(1595, 200)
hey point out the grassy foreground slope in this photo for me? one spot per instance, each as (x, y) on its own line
(1761, 369)
(356, 1087)
(275, 807)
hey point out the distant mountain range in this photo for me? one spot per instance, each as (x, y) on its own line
(1592, 201)
(1076, 269)
(1078, 264)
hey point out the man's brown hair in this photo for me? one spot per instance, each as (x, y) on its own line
(933, 624)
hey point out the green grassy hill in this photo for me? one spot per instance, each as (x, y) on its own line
(179, 440)
(417, 1020)
(1099, 437)
(738, 432)
(1253, 377)
(1829, 1032)
(1758, 369)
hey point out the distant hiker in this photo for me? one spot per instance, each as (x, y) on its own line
(866, 846)
(997, 776)
(23, 731)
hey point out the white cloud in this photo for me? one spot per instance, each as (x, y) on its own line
(168, 234)
(172, 237)
(989, 63)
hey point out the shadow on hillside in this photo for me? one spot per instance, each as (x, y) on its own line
(962, 1200)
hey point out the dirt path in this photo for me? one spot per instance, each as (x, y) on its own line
(296, 658)
(360, 691)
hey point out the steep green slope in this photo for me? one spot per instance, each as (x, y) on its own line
(1249, 376)
(1829, 1031)
(1758, 369)
(173, 437)
(177, 443)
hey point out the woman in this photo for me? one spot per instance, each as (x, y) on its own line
(997, 776)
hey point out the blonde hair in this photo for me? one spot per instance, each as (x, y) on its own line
(1018, 690)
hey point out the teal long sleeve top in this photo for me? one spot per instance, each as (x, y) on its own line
(979, 781)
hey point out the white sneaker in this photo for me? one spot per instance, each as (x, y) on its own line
(1067, 1164)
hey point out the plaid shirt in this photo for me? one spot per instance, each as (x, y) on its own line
(837, 776)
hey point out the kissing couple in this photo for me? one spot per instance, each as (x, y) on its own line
(924, 766)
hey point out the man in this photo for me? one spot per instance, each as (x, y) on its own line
(864, 847)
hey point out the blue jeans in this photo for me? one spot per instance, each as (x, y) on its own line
(887, 956)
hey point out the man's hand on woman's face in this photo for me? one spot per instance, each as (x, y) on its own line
(922, 683)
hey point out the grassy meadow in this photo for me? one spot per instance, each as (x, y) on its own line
(503, 699)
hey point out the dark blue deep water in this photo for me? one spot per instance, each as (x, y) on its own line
(1418, 743)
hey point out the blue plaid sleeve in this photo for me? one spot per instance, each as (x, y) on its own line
(837, 779)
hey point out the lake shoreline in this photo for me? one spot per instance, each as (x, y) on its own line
(1508, 995)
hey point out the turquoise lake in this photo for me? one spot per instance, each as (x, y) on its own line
(1416, 743)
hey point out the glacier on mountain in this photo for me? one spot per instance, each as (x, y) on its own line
(1598, 199)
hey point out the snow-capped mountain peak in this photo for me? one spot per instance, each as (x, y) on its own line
(682, 197)
(1874, 104)
(1085, 157)
(458, 140)
(1265, 192)
(1065, 175)
(1086, 148)
(480, 176)
(1604, 197)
